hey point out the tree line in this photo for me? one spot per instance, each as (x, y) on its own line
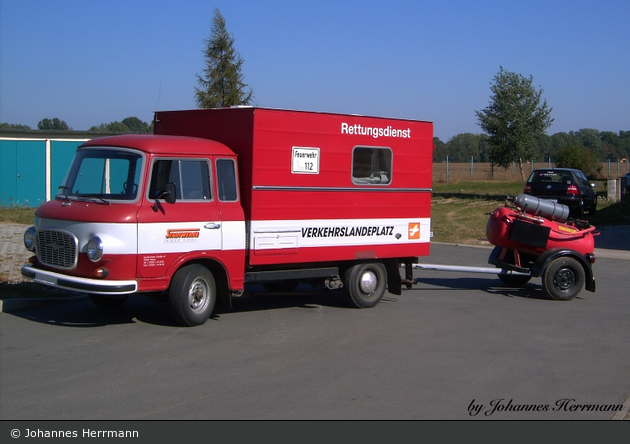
(604, 145)
(127, 125)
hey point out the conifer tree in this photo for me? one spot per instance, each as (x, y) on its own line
(222, 81)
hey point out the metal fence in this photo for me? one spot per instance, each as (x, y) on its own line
(457, 172)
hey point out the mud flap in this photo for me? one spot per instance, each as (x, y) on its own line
(394, 281)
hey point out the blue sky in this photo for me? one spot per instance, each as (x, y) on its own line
(90, 61)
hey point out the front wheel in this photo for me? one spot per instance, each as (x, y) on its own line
(364, 284)
(563, 279)
(192, 295)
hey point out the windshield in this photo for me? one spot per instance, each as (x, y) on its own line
(103, 174)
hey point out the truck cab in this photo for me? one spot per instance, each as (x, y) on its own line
(132, 210)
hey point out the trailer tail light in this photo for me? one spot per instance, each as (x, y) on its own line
(528, 188)
(572, 190)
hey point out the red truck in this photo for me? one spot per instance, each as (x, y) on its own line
(218, 199)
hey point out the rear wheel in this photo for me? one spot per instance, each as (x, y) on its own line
(192, 295)
(364, 284)
(563, 279)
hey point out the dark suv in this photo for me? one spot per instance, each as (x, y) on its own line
(566, 186)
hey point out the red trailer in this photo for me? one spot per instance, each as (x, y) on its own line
(221, 198)
(535, 238)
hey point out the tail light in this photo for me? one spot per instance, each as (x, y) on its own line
(572, 190)
(528, 188)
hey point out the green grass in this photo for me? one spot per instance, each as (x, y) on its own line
(17, 214)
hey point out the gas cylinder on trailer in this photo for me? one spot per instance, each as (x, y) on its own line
(541, 207)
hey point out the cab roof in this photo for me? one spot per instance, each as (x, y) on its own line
(161, 145)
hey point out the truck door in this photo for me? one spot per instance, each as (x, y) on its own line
(166, 232)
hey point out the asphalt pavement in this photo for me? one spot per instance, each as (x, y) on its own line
(454, 346)
(613, 242)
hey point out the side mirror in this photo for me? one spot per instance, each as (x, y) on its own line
(169, 193)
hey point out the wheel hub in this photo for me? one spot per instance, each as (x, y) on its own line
(198, 295)
(368, 282)
(565, 280)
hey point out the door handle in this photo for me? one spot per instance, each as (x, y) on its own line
(212, 226)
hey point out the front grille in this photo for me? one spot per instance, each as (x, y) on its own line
(57, 249)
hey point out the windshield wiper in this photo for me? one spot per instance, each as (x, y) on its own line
(64, 188)
(92, 198)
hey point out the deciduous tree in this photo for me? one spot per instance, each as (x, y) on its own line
(53, 124)
(579, 157)
(515, 117)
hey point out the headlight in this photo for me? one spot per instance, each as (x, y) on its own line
(29, 238)
(95, 249)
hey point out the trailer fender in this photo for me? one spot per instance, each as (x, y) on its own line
(545, 259)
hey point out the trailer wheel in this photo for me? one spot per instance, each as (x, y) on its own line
(364, 284)
(563, 279)
(192, 295)
(108, 302)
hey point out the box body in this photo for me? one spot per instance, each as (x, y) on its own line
(320, 187)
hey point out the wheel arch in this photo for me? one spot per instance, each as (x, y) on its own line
(219, 273)
(548, 256)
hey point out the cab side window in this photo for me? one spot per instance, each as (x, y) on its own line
(226, 180)
(191, 178)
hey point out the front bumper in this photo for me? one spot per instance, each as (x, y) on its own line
(74, 283)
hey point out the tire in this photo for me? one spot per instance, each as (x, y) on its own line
(364, 284)
(108, 302)
(514, 280)
(563, 279)
(192, 295)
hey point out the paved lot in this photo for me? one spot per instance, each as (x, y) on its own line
(454, 343)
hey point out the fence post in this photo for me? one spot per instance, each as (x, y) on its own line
(472, 161)
(613, 189)
(446, 169)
